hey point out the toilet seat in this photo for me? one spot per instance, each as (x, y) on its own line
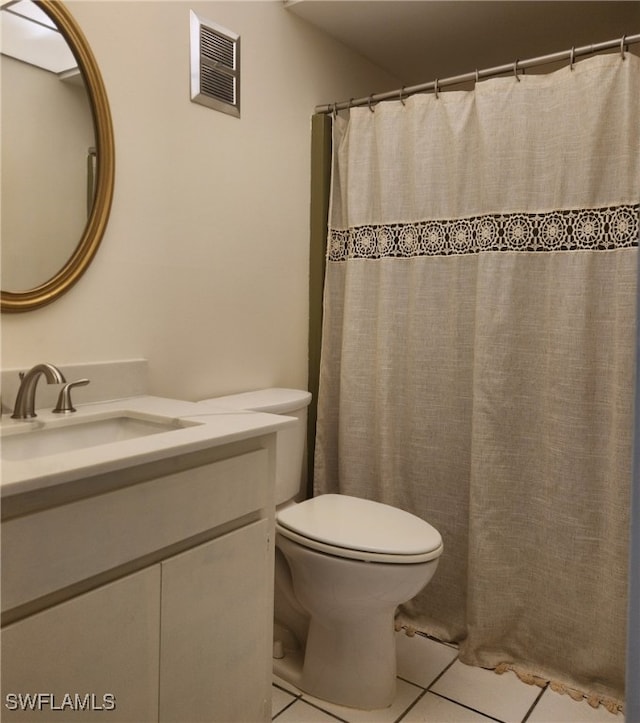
(359, 529)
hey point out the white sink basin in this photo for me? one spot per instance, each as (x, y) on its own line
(30, 440)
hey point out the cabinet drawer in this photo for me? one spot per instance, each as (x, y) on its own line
(49, 550)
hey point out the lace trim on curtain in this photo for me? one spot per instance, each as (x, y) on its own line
(593, 699)
(596, 229)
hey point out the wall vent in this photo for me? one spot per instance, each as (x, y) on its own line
(215, 66)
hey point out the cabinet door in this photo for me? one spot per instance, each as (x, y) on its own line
(94, 657)
(216, 635)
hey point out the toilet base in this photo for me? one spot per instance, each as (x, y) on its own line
(289, 667)
(348, 679)
(349, 637)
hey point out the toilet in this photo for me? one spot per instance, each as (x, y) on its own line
(343, 565)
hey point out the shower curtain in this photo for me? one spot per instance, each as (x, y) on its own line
(478, 356)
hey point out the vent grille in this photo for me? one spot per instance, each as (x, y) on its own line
(217, 85)
(215, 66)
(217, 48)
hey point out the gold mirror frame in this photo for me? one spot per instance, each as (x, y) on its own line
(84, 252)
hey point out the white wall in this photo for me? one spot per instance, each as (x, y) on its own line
(203, 268)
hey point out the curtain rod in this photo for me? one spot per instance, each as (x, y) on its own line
(476, 75)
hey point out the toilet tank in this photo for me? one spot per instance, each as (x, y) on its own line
(291, 474)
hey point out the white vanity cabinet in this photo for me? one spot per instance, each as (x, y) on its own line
(101, 646)
(149, 600)
(224, 587)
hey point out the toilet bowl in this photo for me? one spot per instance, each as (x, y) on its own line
(353, 561)
(343, 565)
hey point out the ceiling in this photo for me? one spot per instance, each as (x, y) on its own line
(420, 40)
(30, 35)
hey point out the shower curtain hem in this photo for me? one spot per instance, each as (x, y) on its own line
(594, 699)
(530, 676)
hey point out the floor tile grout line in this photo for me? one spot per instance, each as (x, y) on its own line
(457, 702)
(434, 638)
(468, 707)
(300, 696)
(285, 708)
(284, 690)
(424, 690)
(415, 702)
(324, 710)
(290, 703)
(441, 673)
(450, 646)
(412, 682)
(534, 704)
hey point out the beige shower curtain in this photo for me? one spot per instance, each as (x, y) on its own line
(478, 355)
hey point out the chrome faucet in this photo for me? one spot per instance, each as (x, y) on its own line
(26, 398)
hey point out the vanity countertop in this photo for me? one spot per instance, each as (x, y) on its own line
(204, 428)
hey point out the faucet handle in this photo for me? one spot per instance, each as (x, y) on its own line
(64, 405)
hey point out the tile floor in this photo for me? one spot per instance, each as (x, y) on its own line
(433, 686)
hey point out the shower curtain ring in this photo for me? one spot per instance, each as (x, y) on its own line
(624, 37)
(402, 100)
(477, 76)
(572, 57)
(335, 111)
(370, 101)
(435, 87)
(515, 69)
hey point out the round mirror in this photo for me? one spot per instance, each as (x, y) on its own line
(58, 162)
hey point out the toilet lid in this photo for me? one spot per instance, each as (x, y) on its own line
(354, 524)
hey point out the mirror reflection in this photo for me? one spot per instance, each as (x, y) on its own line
(57, 153)
(44, 174)
(47, 167)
